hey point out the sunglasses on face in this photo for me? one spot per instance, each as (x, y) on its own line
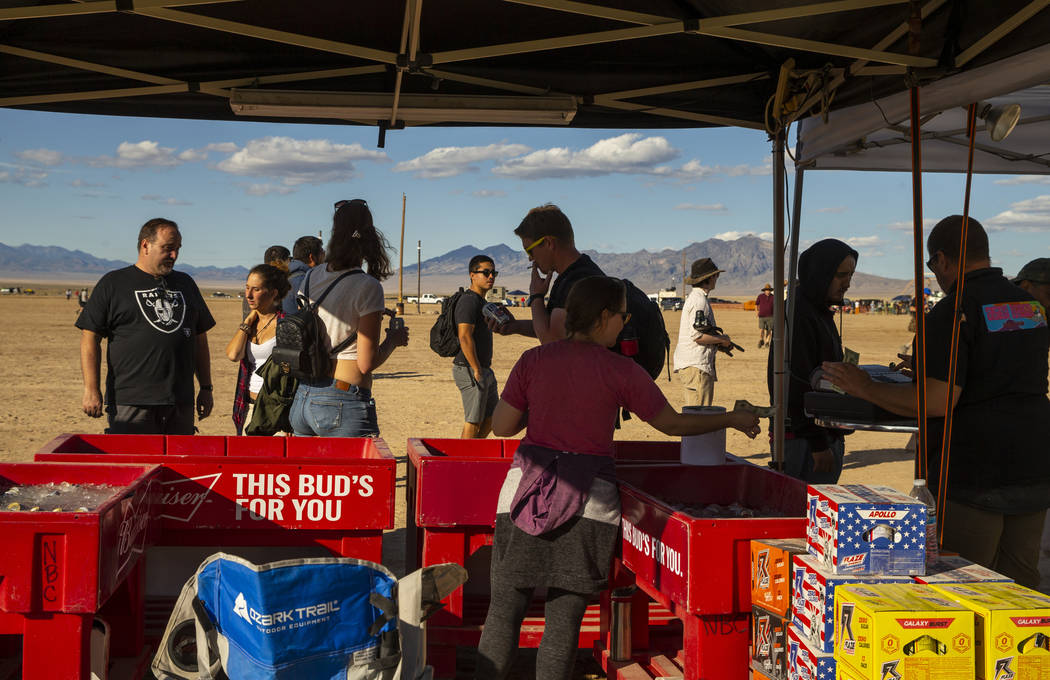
(358, 201)
(486, 272)
(529, 248)
(933, 258)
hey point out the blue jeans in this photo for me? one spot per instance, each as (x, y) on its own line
(322, 410)
(798, 461)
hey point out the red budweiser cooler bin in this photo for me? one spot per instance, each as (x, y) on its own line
(63, 568)
(453, 486)
(697, 566)
(265, 498)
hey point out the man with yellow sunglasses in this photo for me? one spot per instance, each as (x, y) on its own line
(547, 238)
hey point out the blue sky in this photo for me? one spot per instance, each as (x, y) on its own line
(88, 183)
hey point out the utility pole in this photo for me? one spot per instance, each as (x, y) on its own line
(684, 274)
(401, 265)
(419, 272)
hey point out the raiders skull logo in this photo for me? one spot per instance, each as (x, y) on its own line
(164, 309)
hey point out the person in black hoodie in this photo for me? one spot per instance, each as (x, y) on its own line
(825, 269)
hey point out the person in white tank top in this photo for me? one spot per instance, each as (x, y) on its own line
(255, 338)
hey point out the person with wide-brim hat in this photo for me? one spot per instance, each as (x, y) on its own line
(764, 309)
(694, 356)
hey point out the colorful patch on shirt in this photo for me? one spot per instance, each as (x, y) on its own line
(1014, 316)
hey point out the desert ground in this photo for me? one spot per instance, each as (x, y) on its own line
(414, 391)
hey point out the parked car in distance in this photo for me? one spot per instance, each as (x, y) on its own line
(671, 304)
(428, 299)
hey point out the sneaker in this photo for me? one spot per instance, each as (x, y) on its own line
(760, 344)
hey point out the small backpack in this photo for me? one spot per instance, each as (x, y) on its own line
(644, 338)
(300, 348)
(444, 335)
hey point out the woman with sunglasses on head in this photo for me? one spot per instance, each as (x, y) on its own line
(341, 404)
(255, 338)
(558, 514)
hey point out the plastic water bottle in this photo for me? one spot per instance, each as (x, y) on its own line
(921, 493)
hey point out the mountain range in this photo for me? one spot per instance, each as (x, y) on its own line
(747, 261)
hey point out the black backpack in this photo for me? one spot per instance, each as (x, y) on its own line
(300, 349)
(646, 328)
(444, 335)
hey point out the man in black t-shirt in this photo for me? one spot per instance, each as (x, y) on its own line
(998, 481)
(155, 323)
(472, 365)
(547, 237)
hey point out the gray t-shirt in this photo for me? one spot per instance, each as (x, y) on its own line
(468, 310)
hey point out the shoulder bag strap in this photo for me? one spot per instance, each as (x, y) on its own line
(353, 336)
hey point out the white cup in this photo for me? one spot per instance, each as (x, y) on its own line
(704, 449)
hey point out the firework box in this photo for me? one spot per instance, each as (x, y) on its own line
(818, 588)
(955, 569)
(800, 587)
(860, 529)
(903, 630)
(771, 572)
(767, 643)
(803, 663)
(1012, 628)
(757, 674)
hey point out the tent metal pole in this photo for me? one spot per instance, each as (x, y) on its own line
(796, 215)
(778, 300)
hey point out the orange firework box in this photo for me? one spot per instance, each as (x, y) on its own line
(771, 572)
(902, 630)
(758, 675)
(1012, 636)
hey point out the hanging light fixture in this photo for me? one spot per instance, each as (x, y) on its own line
(999, 120)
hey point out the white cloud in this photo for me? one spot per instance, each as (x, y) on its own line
(48, 157)
(908, 225)
(137, 155)
(837, 209)
(864, 241)
(25, 176)
(165, 200)
(1031, 214)
(734, 235)
(193, 155)
(297, 161)
(1025, 179)
(489, 193)
(84, 184)
(704, 207)
(201, 154)
(267, 189)
(450, 161)
(626, 154)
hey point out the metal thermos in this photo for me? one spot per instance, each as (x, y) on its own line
(620, 626)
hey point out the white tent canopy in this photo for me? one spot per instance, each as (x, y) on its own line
(875, 135)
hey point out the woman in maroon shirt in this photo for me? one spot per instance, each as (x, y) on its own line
(558, 513)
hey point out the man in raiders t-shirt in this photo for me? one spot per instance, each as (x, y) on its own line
(155, 323)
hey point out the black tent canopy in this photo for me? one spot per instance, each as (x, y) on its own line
(601, 64)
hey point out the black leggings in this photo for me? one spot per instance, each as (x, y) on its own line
(556, 656)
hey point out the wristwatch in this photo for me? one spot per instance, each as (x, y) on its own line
(531, 298)
(206, 388)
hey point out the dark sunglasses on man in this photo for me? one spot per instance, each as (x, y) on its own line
(486, 272)
(360, 201)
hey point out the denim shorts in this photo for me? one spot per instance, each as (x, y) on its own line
(322, 410)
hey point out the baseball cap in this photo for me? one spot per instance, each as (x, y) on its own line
(1036, 271)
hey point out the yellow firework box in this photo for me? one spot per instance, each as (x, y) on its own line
(902, 631)
(1012, 636)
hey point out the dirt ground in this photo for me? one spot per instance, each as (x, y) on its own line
(415, 395)
(414, 391)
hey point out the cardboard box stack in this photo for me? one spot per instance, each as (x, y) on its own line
(771, 603)
(901, 630)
